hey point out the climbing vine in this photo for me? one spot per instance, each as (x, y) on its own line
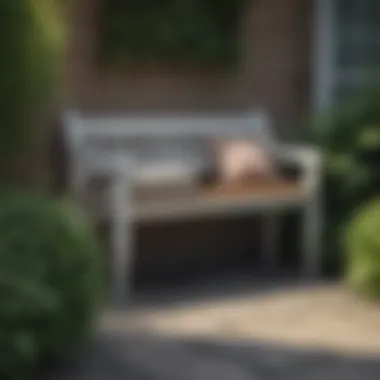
(187, 31)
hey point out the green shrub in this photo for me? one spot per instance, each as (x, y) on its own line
(172, 31)
(31, 48)
(51, 281)
(362, 245)
(350, 139)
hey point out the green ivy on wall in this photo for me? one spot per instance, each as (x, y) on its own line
(187, 31)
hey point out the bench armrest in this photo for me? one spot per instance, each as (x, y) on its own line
(309, 159)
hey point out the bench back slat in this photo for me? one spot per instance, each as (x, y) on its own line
(157, 137)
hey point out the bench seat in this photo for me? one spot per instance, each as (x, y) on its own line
(209, 201)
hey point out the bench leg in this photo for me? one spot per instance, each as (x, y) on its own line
(121, 271)
(122, 244)
(311, 239)
(270, 239)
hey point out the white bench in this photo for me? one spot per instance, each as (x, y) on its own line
(111, 146)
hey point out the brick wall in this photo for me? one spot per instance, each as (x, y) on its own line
(274, 73)
(279, 67)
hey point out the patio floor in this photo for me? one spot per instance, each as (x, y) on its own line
(296, 332)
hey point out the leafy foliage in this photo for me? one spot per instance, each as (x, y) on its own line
(363, 247)
(31, 43)
(350, 138)
(195, 31)
(51, 281)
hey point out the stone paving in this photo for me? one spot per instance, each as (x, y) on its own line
(318, 333)
(157, 359)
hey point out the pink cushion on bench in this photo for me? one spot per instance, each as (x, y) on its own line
(239, 160)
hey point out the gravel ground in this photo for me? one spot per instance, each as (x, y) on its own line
(298, 333)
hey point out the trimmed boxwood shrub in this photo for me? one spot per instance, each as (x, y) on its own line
(51, 281)
(362, 245)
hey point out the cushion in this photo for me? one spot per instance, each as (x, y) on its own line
(240, 160)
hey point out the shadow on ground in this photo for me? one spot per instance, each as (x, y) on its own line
(147, 357)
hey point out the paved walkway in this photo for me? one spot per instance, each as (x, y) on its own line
(160, 359)
(317, 333)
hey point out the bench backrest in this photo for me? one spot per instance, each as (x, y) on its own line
(156, 137)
